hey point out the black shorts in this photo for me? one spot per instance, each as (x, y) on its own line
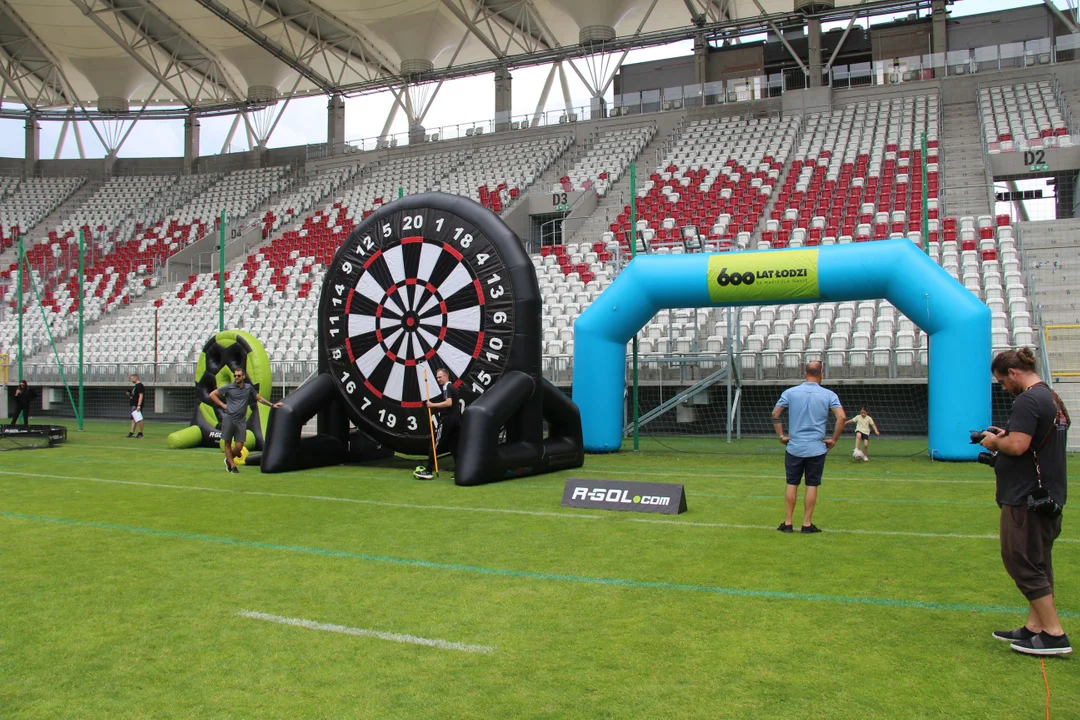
(862, 436)
(797, 467)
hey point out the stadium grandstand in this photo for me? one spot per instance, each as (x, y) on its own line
(788, 124)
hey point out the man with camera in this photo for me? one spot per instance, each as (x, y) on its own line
(1028, 457)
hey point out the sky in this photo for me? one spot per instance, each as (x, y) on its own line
(304, 120)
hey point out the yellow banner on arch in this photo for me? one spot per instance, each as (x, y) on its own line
(759, 277)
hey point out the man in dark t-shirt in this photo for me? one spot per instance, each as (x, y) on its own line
(448, 405)
(1031, 491)
(137, 395)
(23, 396)
(233, 401)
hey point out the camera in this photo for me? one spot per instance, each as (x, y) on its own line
(1039, 501)
(986, 458)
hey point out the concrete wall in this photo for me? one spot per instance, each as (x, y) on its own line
(1008, 26)
(737, 62)
(92, 168)
(903, 41)
(11, 166)
(672, 72)
(148, 166)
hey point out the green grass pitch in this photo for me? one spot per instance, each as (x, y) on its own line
(124, 567)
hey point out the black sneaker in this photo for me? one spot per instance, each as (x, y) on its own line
(785, 528)
(139, 436)
(234, 470)
(130, 435)
(1013, 635)
(228, 467)
(1044, 644)
(810, 529)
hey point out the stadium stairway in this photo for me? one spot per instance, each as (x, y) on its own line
(41, 231)
(966, 192)
(1050, 256)
(608, 209)
(1050, 251)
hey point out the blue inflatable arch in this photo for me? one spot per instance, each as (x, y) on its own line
(957, 323)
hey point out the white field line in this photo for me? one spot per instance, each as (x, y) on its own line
(361, 632)
(673, 474)
(618, 517)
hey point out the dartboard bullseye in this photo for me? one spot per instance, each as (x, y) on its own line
(410, 291)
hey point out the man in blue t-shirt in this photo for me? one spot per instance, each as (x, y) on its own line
(808, 407)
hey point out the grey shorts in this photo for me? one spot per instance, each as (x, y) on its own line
(233, 430)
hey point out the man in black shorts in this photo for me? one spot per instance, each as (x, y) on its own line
(137, 395)
(448, 406)
(234, 400)
(809, 406)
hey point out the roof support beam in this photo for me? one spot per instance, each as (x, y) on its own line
(843, 37)
(78, 136)
(471, 27)
(60, 140)
(695, 17)
(779, 34)
(370, 54)
(221, 75)
(57, 91)
(123, 44)
(262, 40)
(542, 103)
(54, 80)
(1065, 19)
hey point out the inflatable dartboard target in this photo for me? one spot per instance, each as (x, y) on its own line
(413, 289)
(430, 281)
(223, 353)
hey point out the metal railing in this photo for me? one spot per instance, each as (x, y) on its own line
(1040, 52)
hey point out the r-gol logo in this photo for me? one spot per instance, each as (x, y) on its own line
(619, 496)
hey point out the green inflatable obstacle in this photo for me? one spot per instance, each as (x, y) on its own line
(222, 353)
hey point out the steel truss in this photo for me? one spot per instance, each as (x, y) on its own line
(327, 51)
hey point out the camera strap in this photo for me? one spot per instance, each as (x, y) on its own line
(1061, 412)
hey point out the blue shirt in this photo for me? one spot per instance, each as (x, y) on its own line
(808, 407)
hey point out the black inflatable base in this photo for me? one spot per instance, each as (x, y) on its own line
(517, 405)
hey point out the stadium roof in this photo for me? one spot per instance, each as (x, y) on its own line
(116, 55)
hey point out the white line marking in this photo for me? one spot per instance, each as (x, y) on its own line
(771, 475)
(361, 632)
(506, 511)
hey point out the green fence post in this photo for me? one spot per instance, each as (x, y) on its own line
(221, 275)
(925, 201)
(19, 296)
(82, 394)
(633, 254)
(400, 192)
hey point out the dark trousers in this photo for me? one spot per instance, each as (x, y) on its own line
(25, 416)
(1027, 539)
(446, 441)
